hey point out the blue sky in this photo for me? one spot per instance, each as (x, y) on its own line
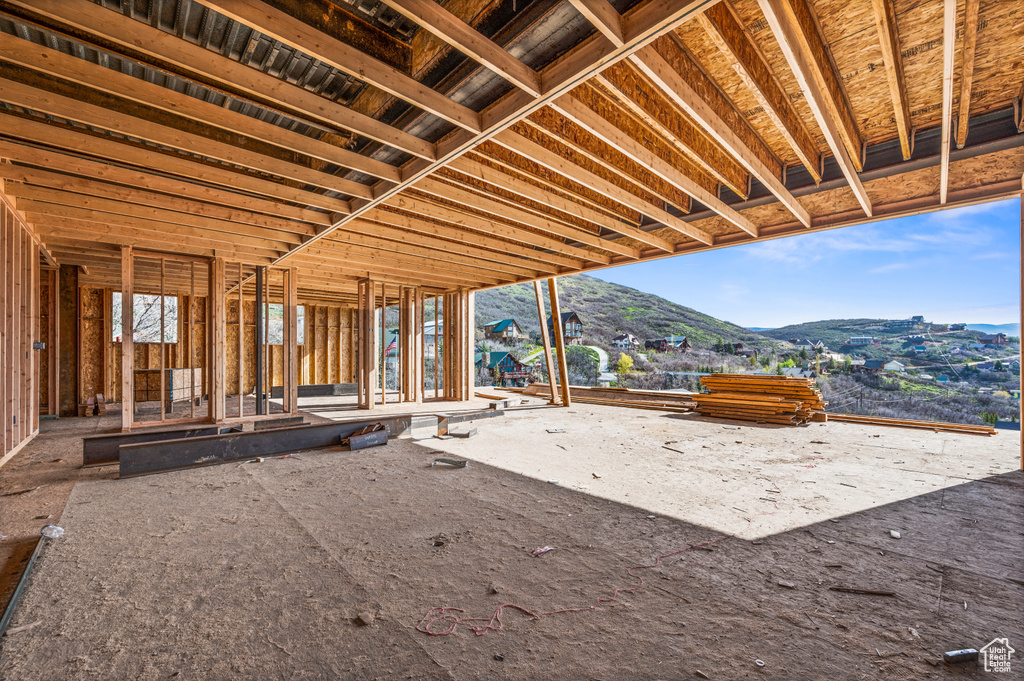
(950, 266)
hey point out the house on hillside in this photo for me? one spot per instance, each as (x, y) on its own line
(917, 319)
(626, 341)
(860, 340)
(808, 344)
(957, 327)
(870, 366)
(680, 343)
(900, 324)
(893, 365)
(998, 339)
(510, 372)
(503, 330)
(572, 329)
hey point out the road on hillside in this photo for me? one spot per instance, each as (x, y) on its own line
(602, 367)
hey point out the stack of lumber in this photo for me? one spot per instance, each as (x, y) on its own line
(939, 426)
(765, 399)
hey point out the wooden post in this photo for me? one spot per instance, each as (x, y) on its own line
(418, 344)
(291, 382)
(1020, 345)
(367, 343)
(470, 344)
(437, 346)
(258, 350)
(556, 323)
(163, 348)
(546, 340)
(127, 339)
(216, 331)
(53, 342)
(383, 343)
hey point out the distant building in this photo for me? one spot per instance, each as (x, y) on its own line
(901, 324)
(681, 343)
(957, 327)
(893, 365)
(510, 371)
(572, 329)
(917, 319)
(626, 341)
(860, 340)
(503, 329)
(998, 339)
(870, 366)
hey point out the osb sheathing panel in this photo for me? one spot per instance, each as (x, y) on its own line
(520, 167)
(999, 59)
(751, 17)
(510, 198)
(578, 147)
(631, 88)
(707, 55)
(852, 38)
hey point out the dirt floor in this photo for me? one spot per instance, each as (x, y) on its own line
(262, 570)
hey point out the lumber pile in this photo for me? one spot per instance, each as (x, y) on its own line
(939, 426)
(766, 399)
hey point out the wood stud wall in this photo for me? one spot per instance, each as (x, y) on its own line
(19, 329)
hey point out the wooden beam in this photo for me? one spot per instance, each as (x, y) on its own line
(519, 187)
(686, 85)
(967, 69)
(127, 339)
(545, 338)
(559, 333)
(413, 229)
(641, 153)
(948, 49)
(281, 26)
(796, 32)
(501, 210)
(649, 104)
(33, 197)
(75, 141)
(98, 115)
(36, 57)
(605, 18)
(889, 39)
(468, 41)
(63, 183)
(735, 44)
(166, 51)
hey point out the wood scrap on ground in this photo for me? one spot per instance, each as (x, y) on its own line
(921, 425)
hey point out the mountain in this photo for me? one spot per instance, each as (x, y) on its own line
(608, 309)
(760, 329)
(1008, 329)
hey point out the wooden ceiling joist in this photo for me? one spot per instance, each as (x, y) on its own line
(281, 26)
(38, 179)
(948, 50)
(500, 210)
(70, 171)
(604, 18)
(545, 260)
(467, 40)
(93, 113)
(31, 56)
(683, 82)
(77, 235)
(646, 102)
(532, 192)
(642, 154)
(892, 57)
(797, 34)
(137, 39)
(77, 141)
(967, 69)
(736, 45)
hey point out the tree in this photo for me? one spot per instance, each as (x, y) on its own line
(625, 364)
(999, 365)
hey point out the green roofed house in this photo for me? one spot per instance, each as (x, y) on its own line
(510, 371)
(503, 329)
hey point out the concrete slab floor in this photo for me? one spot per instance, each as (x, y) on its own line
(261, 570)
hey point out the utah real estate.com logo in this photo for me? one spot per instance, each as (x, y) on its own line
(997, 655)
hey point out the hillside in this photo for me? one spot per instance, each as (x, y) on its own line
(1008, 329)
(608, 309)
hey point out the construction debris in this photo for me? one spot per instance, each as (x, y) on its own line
(451, 462)
(866, 592)
(765, 399)
(937, 426)
(957, 656)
